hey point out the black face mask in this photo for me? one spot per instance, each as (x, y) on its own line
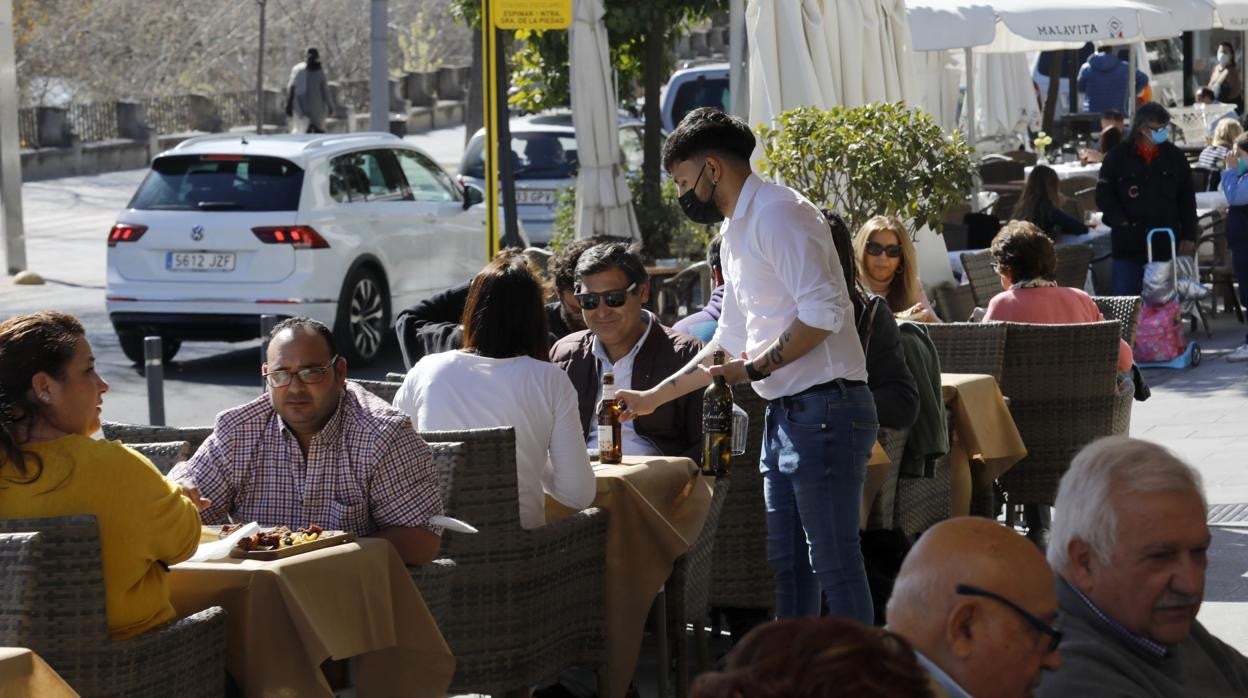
(700, 212)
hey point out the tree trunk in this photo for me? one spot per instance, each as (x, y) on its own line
(1050, 100)
(474, 111)
(656, 54)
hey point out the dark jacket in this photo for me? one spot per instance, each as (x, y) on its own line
(676, 427)
(1137, 196)
(1052, 220)
(929, 436)
(1103, 82)
(432, 325)
(892, 386)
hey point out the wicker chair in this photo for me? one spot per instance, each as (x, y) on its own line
(434, 579)
(1061, 380)
(1124, 309)
(687, 590)
(677, 292)
(922, 502)
(131, 434)
(524, 604)
(884, 507)
(953, 303)
(977, 265)
(393, 377)
(969, 347)
(741, 576)
(61, 616)
(164, 455)
(1072, 265)
(382, 389)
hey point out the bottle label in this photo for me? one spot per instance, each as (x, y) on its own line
(608, 392)
(719, 424)
(605, 440)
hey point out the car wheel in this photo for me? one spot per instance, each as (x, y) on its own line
(363, 316)
(132, 346)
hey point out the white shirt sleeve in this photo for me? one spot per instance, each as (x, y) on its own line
(802, 262)
(571, 479)
(730, 330)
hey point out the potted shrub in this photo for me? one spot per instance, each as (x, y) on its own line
(874, 159)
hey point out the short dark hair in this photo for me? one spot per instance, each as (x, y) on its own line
(306, 324)
(1113, 115)
(1242, 143)
(562, 267)
(1111, 136)
(505, 314)
(843, 241)
(1025, 252)
(1206, 92)
(612, 255)
(1150, 113)
(708, 130)
(712, 252)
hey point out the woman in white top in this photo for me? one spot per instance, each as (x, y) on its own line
(503, 377)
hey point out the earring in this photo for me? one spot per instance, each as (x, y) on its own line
(46, 397)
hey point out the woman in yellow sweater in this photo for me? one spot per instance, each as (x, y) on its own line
(50, 397)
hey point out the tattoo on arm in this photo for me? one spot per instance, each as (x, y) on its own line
(775, 356)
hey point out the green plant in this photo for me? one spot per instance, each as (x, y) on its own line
(864, 161)
(665, 230)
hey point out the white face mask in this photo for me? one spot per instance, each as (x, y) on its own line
(1224, 58)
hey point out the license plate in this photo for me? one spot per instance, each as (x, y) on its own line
(535, 196)
(200, 261)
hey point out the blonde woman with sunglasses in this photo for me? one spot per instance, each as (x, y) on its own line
(889, 268)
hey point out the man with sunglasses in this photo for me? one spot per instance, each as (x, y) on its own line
(977, 602)
(628, 340)
(1145, 183)
(317, 450)
(788, 324)
(1130, 543)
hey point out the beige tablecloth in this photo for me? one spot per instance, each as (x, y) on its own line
(286, 617)
(658, 506)
(24, 675)
(982, 424)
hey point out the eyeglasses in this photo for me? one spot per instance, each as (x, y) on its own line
(875, 249)
(1054, 635)
(614, 299)
(307, 376)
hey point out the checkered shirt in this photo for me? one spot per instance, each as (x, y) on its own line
(366, 470)
(1144, 644)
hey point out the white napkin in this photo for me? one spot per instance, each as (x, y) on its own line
(220, 549)
(452, 524)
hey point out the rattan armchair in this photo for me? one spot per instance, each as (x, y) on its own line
(741, 575)
(382, 389)
(60, 614)
(1124, 309)
(164, 455)
(977, 265)
(131, 434)
(969, 347)
(687, 592)
(883, 512)
(434, 579)
(1072, 264)
(1062, 385)
(524, 604)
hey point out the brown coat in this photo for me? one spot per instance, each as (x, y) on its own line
(676, 427)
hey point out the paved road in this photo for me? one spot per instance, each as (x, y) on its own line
(67, 221)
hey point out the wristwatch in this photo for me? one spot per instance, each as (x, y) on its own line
(753, 373)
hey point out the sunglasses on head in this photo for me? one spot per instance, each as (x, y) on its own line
(875, 249)
(614, 299)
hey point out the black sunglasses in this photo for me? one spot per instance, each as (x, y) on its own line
(614, 299)
(875, 249)
(1055, 635)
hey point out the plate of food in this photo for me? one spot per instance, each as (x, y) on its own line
(278, 542)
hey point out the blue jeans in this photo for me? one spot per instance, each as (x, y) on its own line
(815, 453)
(1128, 277)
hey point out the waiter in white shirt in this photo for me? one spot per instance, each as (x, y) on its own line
(787, 314)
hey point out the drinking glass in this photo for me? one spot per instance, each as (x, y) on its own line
(740, 430)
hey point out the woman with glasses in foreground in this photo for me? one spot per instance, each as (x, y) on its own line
(50, 398)
(503, 377)
(889, 267)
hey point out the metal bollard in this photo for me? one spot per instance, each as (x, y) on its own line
(154, 369)
(267, 323)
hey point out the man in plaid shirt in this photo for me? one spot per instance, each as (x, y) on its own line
(317, 450)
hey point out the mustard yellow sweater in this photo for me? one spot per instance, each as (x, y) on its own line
(143, 519)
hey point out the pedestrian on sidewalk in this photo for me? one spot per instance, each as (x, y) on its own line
(1103, 81)
(1235, 187)
(308, 102)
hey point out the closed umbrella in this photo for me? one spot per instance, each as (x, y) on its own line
(870, 60)
(1006, 100)
(603, 201)
(789, 58)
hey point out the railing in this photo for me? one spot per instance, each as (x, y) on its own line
(93, 121)
(236, 108)
(168, 114)
(28, 128)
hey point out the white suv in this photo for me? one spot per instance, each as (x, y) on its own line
(340, 228)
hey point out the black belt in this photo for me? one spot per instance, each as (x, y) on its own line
(838, 383)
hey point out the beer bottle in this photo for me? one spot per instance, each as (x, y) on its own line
(717, 424)
(609, 422)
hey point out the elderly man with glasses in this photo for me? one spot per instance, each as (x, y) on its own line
(317, 450)
(977, 602)
(1130, 544)
(626, 339)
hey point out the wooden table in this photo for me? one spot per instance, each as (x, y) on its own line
(982, 426)
(657, 507)
(23, 674)
(285, 617)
